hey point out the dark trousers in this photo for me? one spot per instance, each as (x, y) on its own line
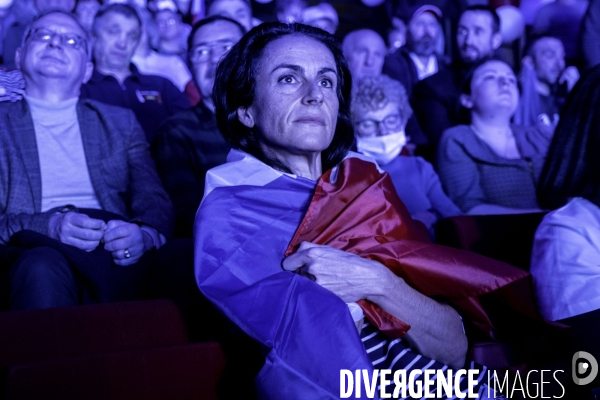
(42, 278)
(44, 273)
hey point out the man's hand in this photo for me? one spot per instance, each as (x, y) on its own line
(569, 75)
(126, 242)
(76, 229)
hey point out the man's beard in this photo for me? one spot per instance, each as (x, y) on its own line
(425, 46)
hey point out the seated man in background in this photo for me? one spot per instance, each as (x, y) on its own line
(323, 16)
(150, 62)
(14, 34)
(59, 153)
(417, 59)
(545, 83)
(116, 81)
(289, 11)
(237, 10)
(189, 143)
(435, 99)
(365, 51)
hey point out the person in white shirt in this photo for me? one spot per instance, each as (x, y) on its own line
(565, 261)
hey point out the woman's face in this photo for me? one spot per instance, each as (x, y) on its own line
(295, 105)
(381, 122)
(493, 88)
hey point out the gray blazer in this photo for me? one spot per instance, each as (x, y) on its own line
(121, 170)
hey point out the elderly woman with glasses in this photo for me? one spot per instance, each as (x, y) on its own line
(380, 110)
(357, 265)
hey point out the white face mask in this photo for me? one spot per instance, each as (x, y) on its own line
(382, 148)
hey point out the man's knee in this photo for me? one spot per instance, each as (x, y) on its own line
(42, 278)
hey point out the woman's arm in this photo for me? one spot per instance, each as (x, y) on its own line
(436, 329)
(458, 170)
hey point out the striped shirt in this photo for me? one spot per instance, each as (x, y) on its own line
(395, 354)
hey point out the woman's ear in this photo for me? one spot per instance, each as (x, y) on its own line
(465, 101)
(245, 116)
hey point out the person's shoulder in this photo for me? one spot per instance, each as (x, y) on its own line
(442, 82)
(358, 158)
(182, 118)
(107, 111)
(156, 81)
(115, 120)
(573, 213)
(444, 75)
(186, 123)
(538, 140)
(13, 111)
(8, 107)
(459, 133)
(241, 168)
(399, 56)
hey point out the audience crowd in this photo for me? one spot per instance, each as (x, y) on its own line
(109, 126)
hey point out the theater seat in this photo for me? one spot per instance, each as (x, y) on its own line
(87, 330)
(176, 372)
(523, 342)
(507, 238)
(107, 351)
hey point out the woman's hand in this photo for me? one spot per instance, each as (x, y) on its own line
(436, 329)
(347, 275)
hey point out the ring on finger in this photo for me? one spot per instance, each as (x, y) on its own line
(126, 253)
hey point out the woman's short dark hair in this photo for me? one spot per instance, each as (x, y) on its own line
(465, 87)
(235, 87)
(572, 167)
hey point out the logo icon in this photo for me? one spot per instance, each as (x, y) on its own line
(584, 368)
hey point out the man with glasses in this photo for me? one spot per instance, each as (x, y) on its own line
(79, 196)
(14, 33)
(116, 81)
(189, 143)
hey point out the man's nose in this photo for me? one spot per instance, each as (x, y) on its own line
(370, 59)
(56, 40)
(431, 30)
(468, 38)
(121, 41)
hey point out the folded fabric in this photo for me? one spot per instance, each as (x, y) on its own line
(357, 210)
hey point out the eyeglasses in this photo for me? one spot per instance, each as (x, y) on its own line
(166, 22)
(370, 127)
(202, 53)
(69, 40)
